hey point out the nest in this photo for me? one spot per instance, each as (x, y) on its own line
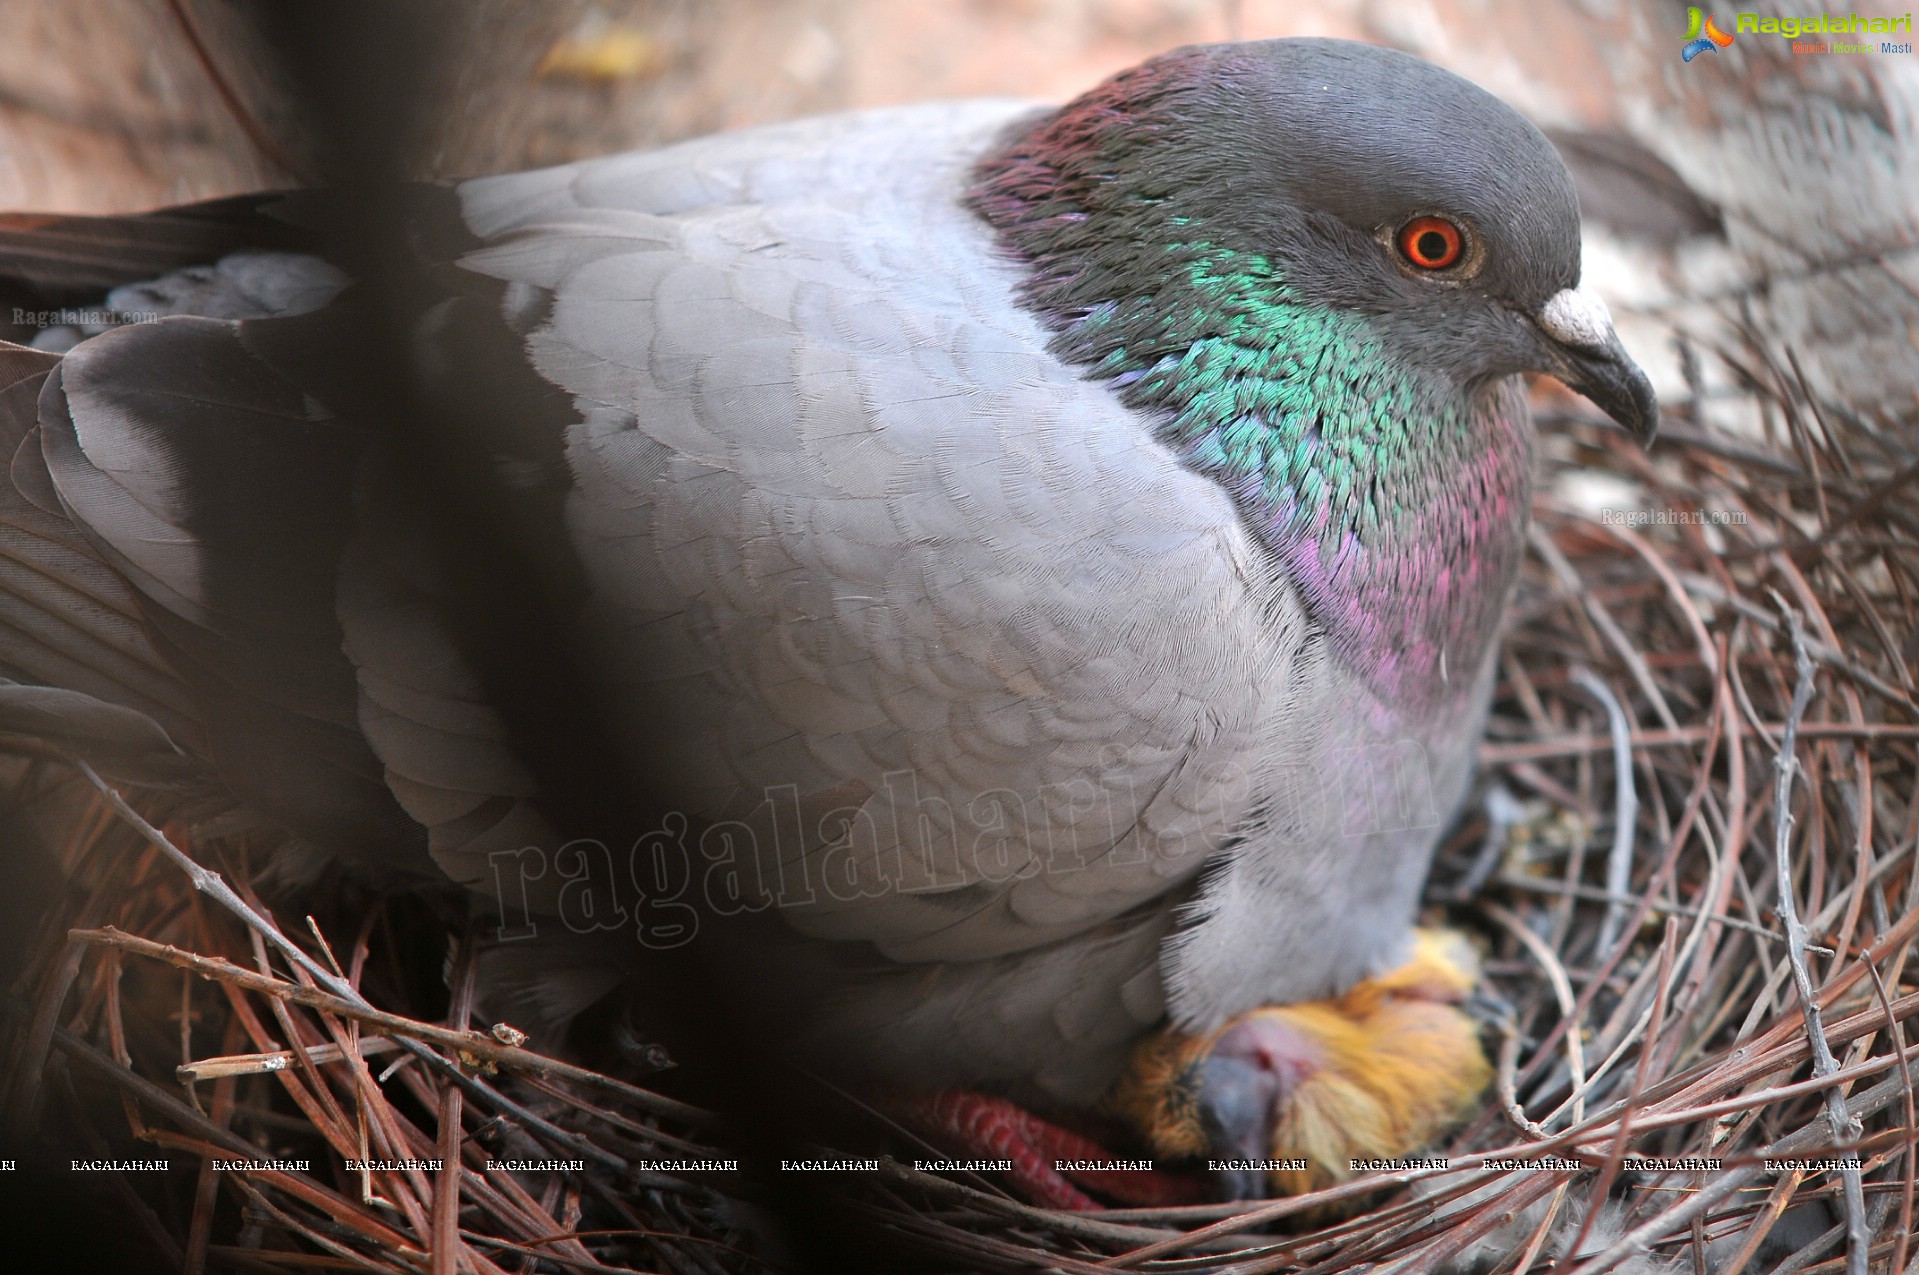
(1690, 865)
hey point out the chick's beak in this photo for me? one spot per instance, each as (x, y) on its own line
(1586, 354)
(1235, 1099)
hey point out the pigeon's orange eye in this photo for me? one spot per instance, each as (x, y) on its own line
(1431, 243)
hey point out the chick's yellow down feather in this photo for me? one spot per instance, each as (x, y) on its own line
(1376, 1073)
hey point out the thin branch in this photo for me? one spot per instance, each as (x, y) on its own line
(1625, 804)
(270, 1061)
(215, 887)
(1845, 1127)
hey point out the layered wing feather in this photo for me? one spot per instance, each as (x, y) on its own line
(67, 620)
(865, 553)
(218, 490)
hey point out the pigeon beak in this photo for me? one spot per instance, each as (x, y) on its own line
(1586, 355)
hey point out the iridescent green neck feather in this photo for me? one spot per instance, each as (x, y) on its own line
(1391, 497)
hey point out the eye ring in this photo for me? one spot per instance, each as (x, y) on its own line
(1431, 243)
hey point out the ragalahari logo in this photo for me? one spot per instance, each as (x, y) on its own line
(1702, 34)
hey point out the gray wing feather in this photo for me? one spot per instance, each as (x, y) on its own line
(853, 530)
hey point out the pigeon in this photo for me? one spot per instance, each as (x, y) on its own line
(1044, 564)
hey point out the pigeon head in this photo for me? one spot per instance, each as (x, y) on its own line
(1371, 182)
(1316, 267)
(1398, 189)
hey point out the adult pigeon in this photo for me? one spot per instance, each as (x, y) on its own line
(1047, 561)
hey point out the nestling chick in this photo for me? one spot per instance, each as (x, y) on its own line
(1375, 1073)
